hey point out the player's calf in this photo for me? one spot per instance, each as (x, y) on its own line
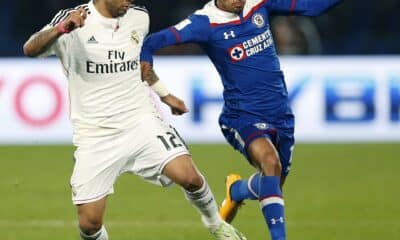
(90, 217)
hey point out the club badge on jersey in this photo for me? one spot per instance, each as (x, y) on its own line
(135, 37)
(258, 20)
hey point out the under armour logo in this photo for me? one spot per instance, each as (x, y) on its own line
(229, 34)
(276, 220)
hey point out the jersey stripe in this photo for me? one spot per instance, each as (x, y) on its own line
(63, 14)
(140, 8)
(176, 34)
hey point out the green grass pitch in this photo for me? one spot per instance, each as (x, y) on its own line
(334, 192)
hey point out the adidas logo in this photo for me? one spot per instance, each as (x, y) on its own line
(92, 40)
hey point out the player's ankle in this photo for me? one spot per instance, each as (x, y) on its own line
(212, 223)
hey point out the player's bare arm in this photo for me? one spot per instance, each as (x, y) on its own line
(40, 41)
(177, 106)
(148, 73)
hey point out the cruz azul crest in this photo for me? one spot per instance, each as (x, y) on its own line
(258, 20)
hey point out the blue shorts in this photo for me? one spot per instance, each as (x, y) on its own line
(242, 131)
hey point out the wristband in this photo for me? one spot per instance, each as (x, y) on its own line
(160, 89)
(61, 28)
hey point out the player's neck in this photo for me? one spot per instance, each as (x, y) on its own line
(218, 5)
(222, 7)
(102, 8)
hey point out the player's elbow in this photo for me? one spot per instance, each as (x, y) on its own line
(29, 50)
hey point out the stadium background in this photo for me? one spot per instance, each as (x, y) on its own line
(344, 188)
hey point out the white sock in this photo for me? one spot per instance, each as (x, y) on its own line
(204, 201)
(100, 235)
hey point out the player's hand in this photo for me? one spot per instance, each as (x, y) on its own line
(177, 106)
(75, 19)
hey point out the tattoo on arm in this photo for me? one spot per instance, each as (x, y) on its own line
(40, 41)
(150, 77)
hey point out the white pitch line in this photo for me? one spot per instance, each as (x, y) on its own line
(62, 223)
(188, 223)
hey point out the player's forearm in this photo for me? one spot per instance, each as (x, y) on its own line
(150, 76)
(40, 41)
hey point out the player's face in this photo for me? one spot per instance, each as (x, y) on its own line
(233, 6)
(118, 8)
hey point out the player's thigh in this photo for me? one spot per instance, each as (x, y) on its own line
(262, 153)
(97, 166)
(242, 136)
(156, 145)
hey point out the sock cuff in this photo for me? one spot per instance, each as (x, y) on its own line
(93, 236)
(250, 184)
(200, 193)
(271, 200)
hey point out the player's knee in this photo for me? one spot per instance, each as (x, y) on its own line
(192, 182)
(270, 162)
(90, 224)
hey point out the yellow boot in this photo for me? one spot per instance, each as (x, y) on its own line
(229, 207)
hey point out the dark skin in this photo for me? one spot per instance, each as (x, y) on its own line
(233, 6)
(262, 153)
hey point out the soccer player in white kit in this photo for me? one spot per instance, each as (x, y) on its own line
(116, 128)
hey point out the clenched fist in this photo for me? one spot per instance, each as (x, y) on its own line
(75, 19)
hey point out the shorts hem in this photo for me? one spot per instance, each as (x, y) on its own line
(89, 200)
(172, 157)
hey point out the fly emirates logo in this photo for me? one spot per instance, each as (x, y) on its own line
(116, 63)
(250, 47)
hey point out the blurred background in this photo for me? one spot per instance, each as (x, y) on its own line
(343, 75)
(354, 27)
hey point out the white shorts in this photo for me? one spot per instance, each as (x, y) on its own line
(144, 150)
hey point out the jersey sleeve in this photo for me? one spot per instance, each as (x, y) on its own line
(59, 43)
(194, 29)
(145, 17)
(301, 7)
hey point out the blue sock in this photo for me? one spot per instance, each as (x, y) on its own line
(240, 190)
(272, 206)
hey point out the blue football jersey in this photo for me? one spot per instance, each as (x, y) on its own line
(242, 50)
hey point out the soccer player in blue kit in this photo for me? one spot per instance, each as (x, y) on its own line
(256, 118)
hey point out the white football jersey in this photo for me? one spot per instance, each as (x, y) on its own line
(101, 62)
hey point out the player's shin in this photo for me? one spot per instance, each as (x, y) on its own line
(272, 205)
(204, 201)
(100, 235)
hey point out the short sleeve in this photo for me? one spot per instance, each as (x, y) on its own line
(56, 47)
